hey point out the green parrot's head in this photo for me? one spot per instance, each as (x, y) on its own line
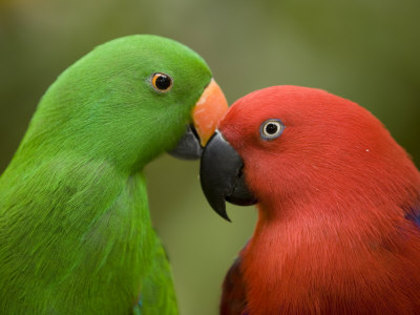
(127, 101)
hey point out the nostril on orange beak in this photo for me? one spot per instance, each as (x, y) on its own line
(208, 111)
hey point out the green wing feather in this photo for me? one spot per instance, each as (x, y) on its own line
(158, 296)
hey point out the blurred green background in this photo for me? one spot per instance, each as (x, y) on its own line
(365, 50)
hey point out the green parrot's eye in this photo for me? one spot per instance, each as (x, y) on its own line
(161, 82)
(271, 129)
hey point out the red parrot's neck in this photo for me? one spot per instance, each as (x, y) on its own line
(331, 254)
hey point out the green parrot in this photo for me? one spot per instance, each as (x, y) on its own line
(75, 229)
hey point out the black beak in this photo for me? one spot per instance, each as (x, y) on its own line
(188, 147)
(221, 176)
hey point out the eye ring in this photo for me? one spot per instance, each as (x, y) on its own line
(161, 82)
(271, 129)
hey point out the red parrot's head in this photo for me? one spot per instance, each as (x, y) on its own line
(289, 143)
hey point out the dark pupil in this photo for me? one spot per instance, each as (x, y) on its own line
(271, 129)
(163, 82)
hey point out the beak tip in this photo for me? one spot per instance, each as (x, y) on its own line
(204, 140)
(217, 203)
(223, 214)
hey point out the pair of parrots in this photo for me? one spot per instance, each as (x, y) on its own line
(338, 200)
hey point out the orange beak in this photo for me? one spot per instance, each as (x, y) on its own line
(208, 111)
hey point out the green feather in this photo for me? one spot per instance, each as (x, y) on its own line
(75, 230)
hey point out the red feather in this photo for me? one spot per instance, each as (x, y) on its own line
(334, 190)
(234, 296)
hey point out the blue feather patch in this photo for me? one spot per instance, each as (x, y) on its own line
(138, 307)
(140, 302)
(414, 216)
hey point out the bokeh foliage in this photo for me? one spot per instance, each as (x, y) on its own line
(367, 51)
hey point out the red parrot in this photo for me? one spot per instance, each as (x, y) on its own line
(338, 201)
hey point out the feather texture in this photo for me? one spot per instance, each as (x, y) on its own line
(234, 291)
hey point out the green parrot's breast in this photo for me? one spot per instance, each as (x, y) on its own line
(78, 244)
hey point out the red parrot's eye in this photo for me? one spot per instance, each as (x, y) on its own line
(161, 82)
(271, 129)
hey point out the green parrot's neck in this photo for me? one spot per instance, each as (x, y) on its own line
(53, 142)
(79, 231)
